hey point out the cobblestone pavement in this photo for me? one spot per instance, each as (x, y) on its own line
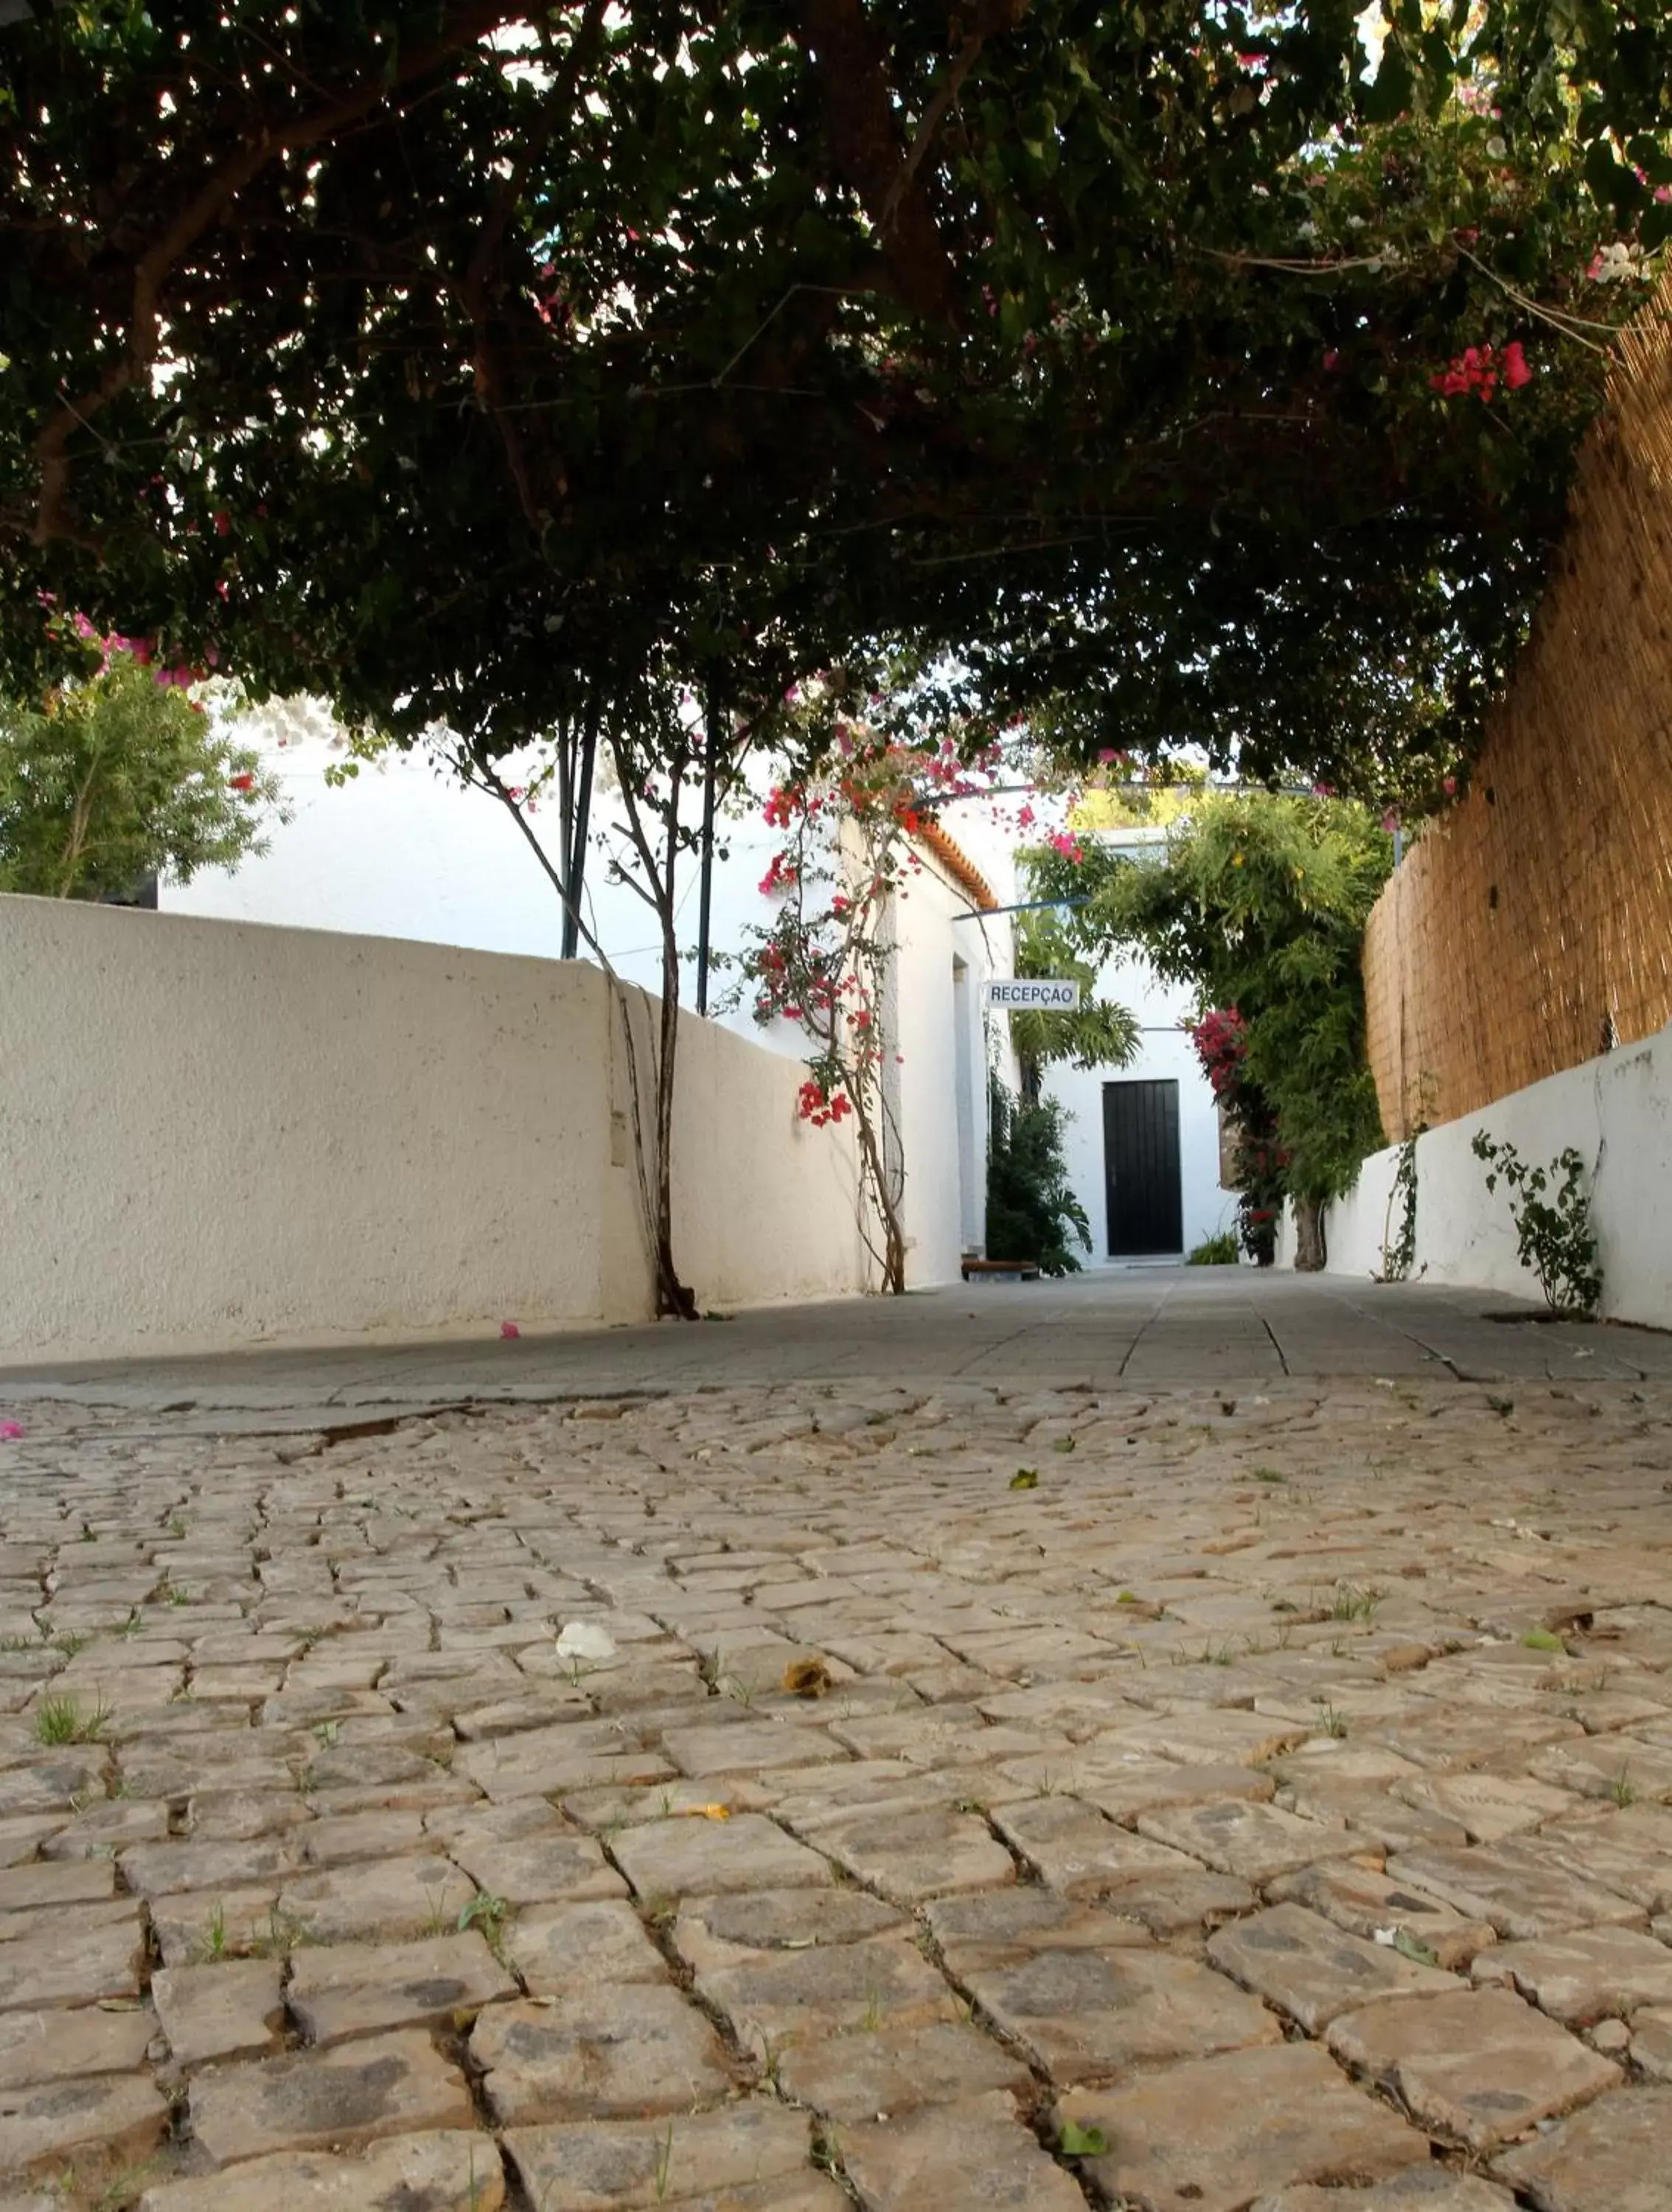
(780, 1798)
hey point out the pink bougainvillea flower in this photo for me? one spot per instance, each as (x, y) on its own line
(223, 523)
(1449, 786)
(11, 1431)
(1516, 371)
(509, 1329)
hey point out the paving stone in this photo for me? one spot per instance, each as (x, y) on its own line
(777, 1998)
(357, 1988)
(554, 1947)
(1628, 1851)
(71, 1962)
(878, 2073)
(1208, 1738)
(608, 1810)
(1476, 2067)
(1367, 1903)
(1597, 1974)
(1446, 1738)
(383, 1898)
(452, 2171)
(1522, 1891)
(699, 1857)
(749, 2155)
(62, 1882)
(995, 1923)
(114, 2118)
(231, 2009)
(1215, 2135)
(1375, 1820)
(1488, 1807)
(1084, 2015)
(913, 1855)
(598, 2056)
(1651, 2043)
(973, 2154)
(542, 1762)
(1080, 1852)
(735, 1929)
(1149, 1784)
(1255, 1842)
(192, 1929)
(50, 2046)
(1311, 1970)
(163, 1869)
(541, 1869)
(748, 1747)
(1609, 1766)
(387, 2085)
(1419, 2189)
(1612, 2157)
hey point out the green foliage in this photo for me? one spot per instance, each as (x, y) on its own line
(1553, 1235)
(511, 348)
(1097, 1034)
(1398, 1250)
(1259, 903)
(1031, 1209)
(1216, 1251)
(114, 779)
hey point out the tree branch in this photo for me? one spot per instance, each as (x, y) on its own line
(472, 20)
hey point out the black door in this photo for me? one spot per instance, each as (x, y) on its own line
(1141, 1167)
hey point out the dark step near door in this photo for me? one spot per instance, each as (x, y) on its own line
(1141, 1169)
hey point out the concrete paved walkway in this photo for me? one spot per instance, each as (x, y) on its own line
(1168, 1742)
(1135, 1328)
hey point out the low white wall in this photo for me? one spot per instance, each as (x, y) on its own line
(214, 1134)
(1615, 1110)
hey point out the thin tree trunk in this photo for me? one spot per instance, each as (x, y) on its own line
(1310, 1257)
(576, 828)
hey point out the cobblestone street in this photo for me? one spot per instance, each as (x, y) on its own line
(779, 1796)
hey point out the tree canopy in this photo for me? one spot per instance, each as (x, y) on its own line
(458, 357)
(1258, 903)
(117, 778)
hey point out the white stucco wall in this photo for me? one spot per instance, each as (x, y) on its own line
(1164, 1054)
(404, 852)
(1615, 1110)
(216, 1134)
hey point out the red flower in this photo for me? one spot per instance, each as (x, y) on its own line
(244, 782)
(1516, 371)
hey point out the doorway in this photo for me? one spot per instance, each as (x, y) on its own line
(1141, 1169)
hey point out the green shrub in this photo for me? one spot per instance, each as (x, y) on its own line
(1216, 1251)
(1031, 1210)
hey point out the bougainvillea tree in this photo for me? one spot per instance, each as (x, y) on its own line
(1099, 342)
(119, 775)
(824, 962)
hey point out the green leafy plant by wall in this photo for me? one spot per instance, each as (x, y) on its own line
(107, 783)
(1031, 1209)
(1218, 1250)
(1554, 1234)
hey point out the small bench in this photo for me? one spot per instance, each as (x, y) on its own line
(1025, 1271)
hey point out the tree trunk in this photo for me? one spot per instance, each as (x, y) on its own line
(673, 1297)
(1309, 1254)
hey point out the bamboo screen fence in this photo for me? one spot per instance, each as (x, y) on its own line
(1531, 927)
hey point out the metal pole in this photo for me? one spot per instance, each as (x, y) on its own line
(705, 892)
(575, 860)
